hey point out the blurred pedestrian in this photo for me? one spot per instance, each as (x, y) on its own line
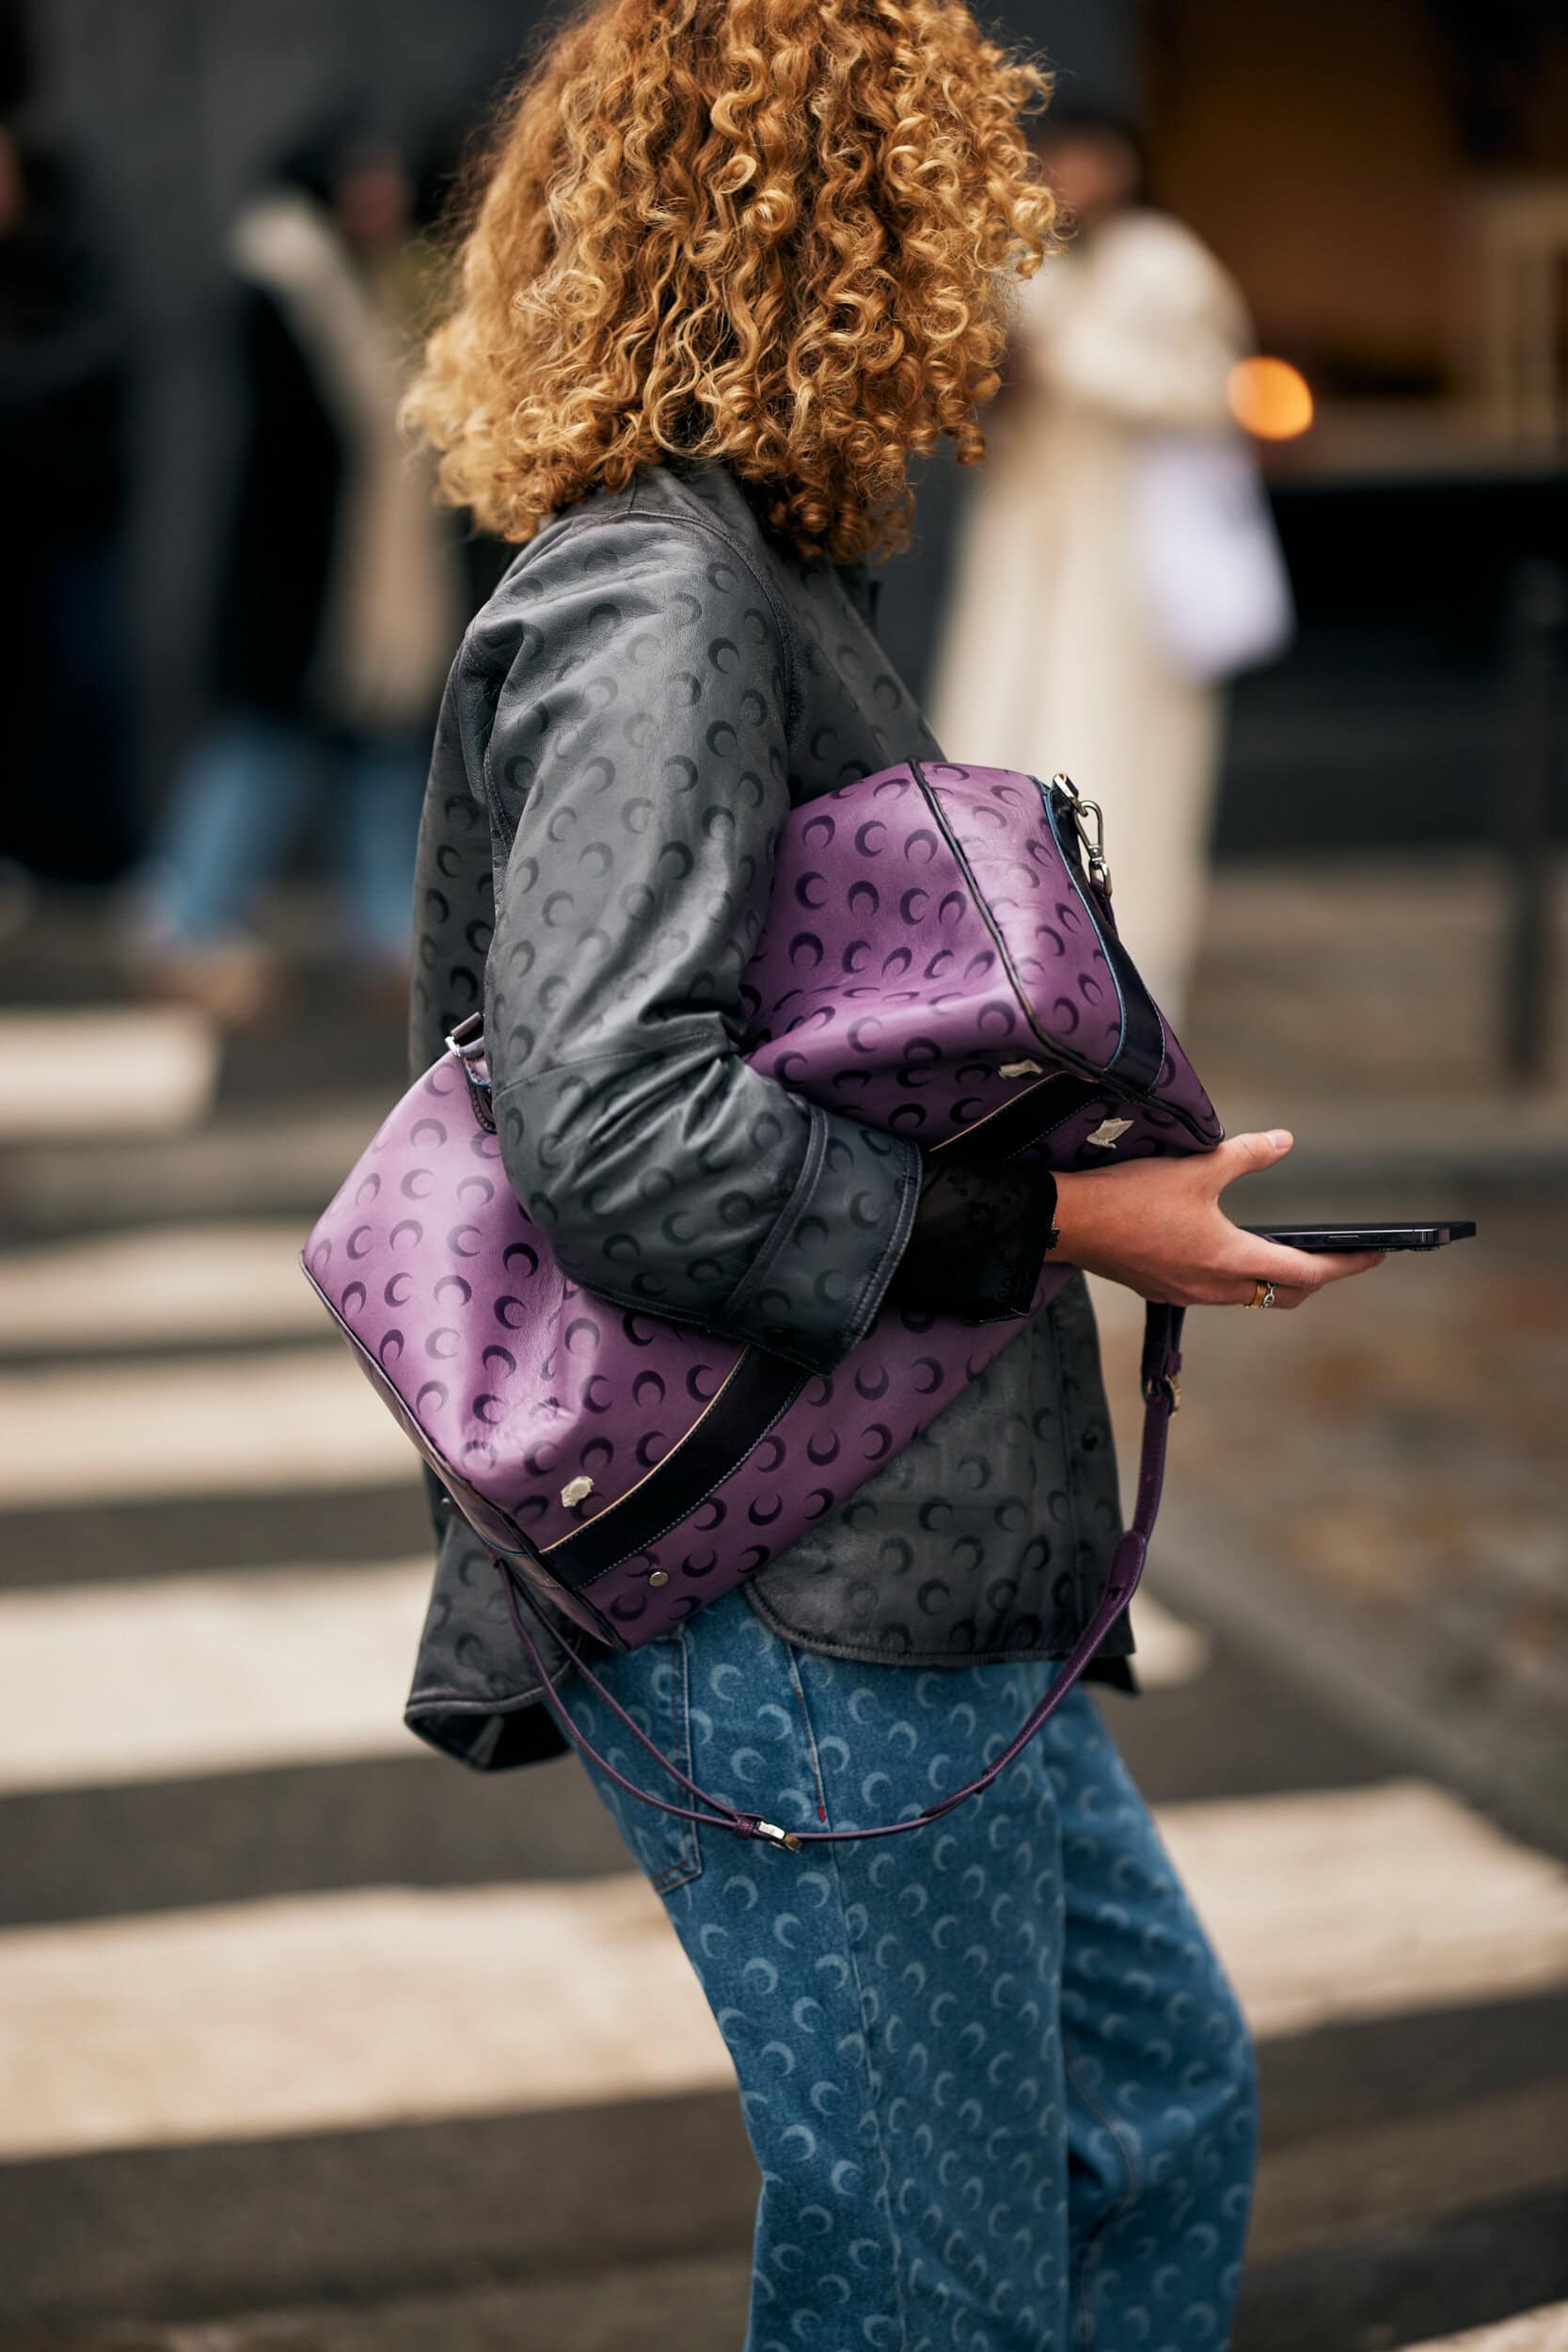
(63, 380)
(733, 266)
(1118, 560)
(339, 601)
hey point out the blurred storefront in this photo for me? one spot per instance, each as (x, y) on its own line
(1390, 183)
(1386, 180)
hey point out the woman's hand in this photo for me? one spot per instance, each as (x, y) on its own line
(1156, 1227)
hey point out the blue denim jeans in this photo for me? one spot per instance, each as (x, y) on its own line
(998, 2088)
(243, 799)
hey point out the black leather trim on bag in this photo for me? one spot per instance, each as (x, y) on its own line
(1141, 1056)
(758, 1389)
(1026, 1120)
(1128, 1079)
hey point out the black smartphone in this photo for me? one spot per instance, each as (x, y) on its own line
(1348, 1237)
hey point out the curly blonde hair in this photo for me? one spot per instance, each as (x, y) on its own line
(776, 232)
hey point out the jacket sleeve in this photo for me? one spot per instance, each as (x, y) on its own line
(640, 749)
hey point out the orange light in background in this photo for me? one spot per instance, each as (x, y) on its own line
(1270, 398)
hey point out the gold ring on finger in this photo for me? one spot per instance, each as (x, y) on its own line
(1263, 1295)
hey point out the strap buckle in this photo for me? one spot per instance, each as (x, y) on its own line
(757, 1827)
(1165, 1384)
(465, 1043)
(466, 1040)
(1093, 841)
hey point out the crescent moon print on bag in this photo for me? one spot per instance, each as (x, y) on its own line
(939, 962)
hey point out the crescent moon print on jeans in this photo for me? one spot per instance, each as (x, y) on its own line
(1086, 2126)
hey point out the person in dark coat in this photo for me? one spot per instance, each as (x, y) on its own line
(337, 600)
(68, 804)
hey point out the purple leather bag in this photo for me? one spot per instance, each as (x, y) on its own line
(940, 962)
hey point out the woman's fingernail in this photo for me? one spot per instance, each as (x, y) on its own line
(1280, 1138)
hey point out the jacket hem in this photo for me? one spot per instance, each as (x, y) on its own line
(825, 1646)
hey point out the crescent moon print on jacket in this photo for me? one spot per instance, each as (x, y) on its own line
(652, 688)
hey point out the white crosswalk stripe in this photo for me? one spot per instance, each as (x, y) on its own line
(153, 1070)
(346, 2011)
(158, 1289)
(328, 2012)
(1170, 1651)
(156, 1677)
(298, 1419)
(1545, 2330)
(207, 1674)
(1343, 1902)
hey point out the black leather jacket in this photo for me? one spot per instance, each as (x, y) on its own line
(651, 689)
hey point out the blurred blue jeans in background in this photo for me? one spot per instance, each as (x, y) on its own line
(244, 797)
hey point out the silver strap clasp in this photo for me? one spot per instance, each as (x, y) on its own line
(1094, 842)
(466, 1040)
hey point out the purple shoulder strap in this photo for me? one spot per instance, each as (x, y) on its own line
(1161, 1363)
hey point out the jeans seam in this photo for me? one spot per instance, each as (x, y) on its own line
(882, 2157)
(682, 1873)
(812, 1757)
(1083, 2329)
(1070, 1451)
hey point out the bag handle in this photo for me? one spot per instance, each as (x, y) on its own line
(1162, 1392)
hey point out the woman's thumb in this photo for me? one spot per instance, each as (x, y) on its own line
(1240, 1155)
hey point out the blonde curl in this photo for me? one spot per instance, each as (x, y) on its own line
(777, 233)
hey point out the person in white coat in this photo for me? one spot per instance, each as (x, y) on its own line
(1116, 558)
